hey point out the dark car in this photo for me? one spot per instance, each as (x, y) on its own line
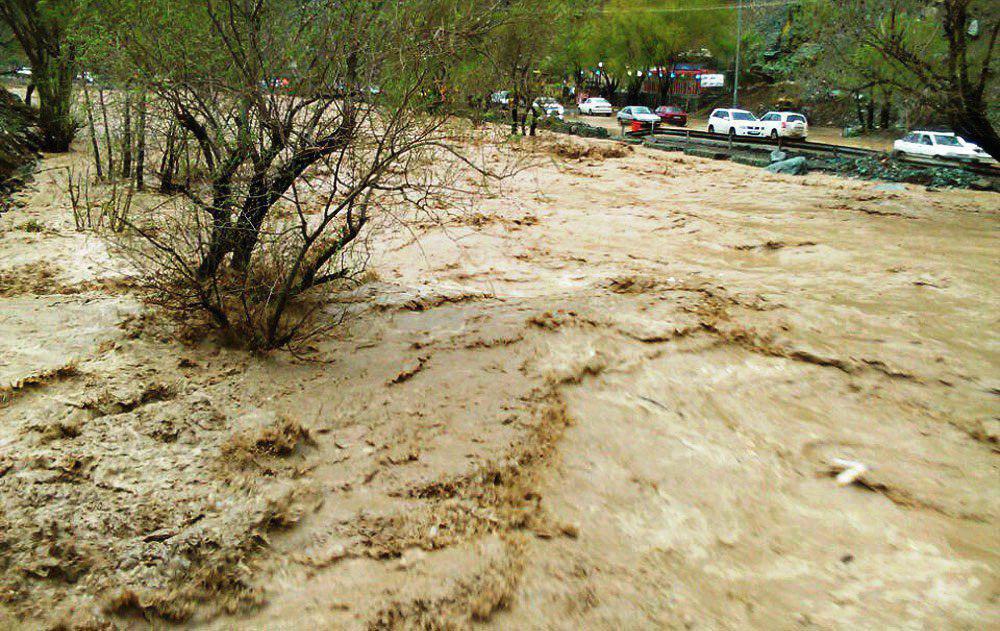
(672, 115)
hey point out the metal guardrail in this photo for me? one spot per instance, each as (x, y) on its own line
(695, 136)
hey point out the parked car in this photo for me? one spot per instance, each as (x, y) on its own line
(596, 106)
(939, 145)
(278, 83)
(500, 99)
(638, 114)
(672, 115)
(735, 123)
(785, 125)
(549, 107)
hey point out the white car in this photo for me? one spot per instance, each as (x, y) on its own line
(735, 123)
(785, 125)
(549, 106)
(501, 99)
(596, 106)
(639, 114)
(939, 145)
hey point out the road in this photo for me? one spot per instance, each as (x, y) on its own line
(832, 135)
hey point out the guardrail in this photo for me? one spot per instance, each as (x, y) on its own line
(695, 136)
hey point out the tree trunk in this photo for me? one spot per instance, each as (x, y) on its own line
(187, 160)
(55, 98)
(107, 133)
(127, 136)
(140, 152)
(248, 225)
(634, 89)
(609, 87)
(93, 131)
(168, 163)
(265, 191)
(972, 124)
(664, 89)
(885, 115)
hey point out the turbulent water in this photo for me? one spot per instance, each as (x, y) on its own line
(614, 396)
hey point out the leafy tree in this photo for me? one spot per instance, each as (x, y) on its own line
(11, 55)
(43, 29)
(631, 36)
(519, 49)
(940, 55)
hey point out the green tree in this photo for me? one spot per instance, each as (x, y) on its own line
(631, 36)
(11, 55)
(519, 53)
(939, 55)
(43, 29)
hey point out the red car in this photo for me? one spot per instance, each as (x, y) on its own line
(672, 115)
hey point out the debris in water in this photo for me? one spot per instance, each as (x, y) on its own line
(849, 470)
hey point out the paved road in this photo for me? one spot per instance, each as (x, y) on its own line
(832, 135)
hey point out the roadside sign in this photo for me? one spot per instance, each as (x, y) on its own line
(712, 80)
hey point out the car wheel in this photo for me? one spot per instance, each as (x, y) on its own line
(732, 133)
(895, 153)
(774, 134)
(711, 129)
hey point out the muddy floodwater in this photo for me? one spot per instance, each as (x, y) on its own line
(614, 394)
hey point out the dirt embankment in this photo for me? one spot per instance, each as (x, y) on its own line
(614, 396)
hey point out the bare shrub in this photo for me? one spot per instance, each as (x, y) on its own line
(308, 124)
(91, 211)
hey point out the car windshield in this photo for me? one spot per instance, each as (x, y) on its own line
(744, 116)
(947, 141)
(599, 101)
(641, 110)
(544, 100)
(672, 110)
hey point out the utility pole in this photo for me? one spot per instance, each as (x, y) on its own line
(739, 37)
